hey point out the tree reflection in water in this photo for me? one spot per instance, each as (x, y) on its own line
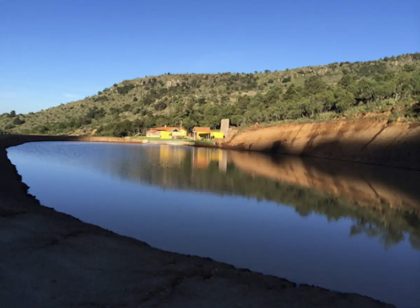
(381, 202)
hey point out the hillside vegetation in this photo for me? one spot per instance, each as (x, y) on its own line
(389, 87)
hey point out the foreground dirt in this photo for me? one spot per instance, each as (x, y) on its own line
(49, 259)
(372, 141)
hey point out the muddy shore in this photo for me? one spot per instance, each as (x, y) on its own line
(52, 259)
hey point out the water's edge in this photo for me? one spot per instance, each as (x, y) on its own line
(366, 140)
(127, 271)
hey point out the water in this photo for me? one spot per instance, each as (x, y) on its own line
(346, 227)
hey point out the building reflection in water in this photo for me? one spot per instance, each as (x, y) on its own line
(324, 218)
(171, 156)
(381, 202)
(175, 156)
(201, 158)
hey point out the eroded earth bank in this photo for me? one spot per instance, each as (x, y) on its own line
(373, 141)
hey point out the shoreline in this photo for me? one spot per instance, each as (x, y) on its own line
(368, 141)
(50, 258)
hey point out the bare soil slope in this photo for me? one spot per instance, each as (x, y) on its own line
(365, 140)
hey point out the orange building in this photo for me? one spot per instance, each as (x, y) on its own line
(166, 132)
(201, 133)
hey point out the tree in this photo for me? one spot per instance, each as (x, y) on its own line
(314, 85)
(364, 91)
(95, 113)
(160, 106)
(324, 100)
(293, 92)
(122, 129)
(384, 89)
(286, 79)
(347, 81)
(18, 121)
(343, 100)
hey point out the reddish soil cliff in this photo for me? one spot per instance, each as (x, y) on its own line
(364, 140)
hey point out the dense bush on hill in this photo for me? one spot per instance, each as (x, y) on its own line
(389, 86)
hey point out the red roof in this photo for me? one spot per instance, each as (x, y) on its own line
(166, 128)
(201, 129)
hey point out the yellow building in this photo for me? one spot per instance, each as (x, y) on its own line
(205, 133)
(179, 133)
(200, 133)
(216, 134)
(166, 132)
(165, 135)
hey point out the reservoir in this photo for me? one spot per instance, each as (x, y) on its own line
(343, 226)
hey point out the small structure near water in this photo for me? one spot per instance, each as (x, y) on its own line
(167, 132)
(224, 126)
(200, 133)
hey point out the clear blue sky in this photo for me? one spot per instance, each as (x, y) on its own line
(56, 51)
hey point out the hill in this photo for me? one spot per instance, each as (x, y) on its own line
(389, 87)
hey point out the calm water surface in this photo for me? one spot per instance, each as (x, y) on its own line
(346, 227)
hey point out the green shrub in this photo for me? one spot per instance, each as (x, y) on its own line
(337, 90)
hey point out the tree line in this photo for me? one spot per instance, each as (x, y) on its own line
(390, 86)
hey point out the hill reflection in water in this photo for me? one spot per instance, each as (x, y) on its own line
(381, 202)
(347, 227)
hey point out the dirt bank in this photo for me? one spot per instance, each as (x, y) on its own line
(365, 140)
(51, 259)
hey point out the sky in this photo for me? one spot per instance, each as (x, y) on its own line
(57, 51)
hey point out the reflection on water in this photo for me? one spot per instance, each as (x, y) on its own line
(314, 221)
(383, 202)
